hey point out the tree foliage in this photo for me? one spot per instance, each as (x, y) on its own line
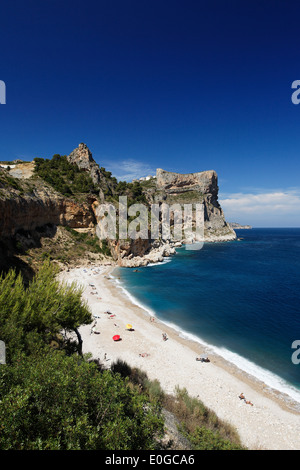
(65, 177)
(56, 402)
(51, 399)
(32, 317)
(133, 191)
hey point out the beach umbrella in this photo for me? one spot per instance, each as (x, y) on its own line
(128, 326)
(116, 337)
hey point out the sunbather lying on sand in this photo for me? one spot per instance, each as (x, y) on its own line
(242, 397)
(202, 359)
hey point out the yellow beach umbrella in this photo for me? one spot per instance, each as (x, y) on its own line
(128, 326)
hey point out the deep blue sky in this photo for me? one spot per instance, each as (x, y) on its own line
(181, 85)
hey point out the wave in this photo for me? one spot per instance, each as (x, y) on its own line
(166, 260)
(271, 380)
(132, 298)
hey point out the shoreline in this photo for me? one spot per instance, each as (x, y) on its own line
(197, 344)
(271, 423)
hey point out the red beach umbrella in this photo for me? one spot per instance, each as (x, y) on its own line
(116, 337)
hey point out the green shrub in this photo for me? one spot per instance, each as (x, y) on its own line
(65, 177)
(55, 402)
(200, 425)
(31, 317)
(205, 439)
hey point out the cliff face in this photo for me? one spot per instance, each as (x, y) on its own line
(205, 182)
(28, 203)
(83, 158)
(191, 188)
(33, 203)
(42, 207)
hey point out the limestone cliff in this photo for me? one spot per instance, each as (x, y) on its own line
(201, 187)
(83, 158)
(26, 208)
(28, 202)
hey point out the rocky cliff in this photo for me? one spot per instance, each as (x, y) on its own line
(28, 202)
(32, 216)
(42, 206)
(189, 188)
(83, 158)
(235, 225)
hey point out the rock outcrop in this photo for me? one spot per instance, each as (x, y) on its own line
(174, 188)
(136, 253)
(28, 211)
(235, 225)
(83, 158)
(205, 182)
(190, 188)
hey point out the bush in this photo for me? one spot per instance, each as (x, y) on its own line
(205, 439)
(65, 177)
(31, 317)
(55, 402)
(51, 398)
(200, 425)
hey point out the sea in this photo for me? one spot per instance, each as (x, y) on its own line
(239, 299)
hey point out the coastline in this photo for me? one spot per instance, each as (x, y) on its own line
(278, 388)
(271, 423)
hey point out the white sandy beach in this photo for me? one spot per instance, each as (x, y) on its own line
(268, 424)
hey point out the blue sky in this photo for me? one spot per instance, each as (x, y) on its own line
(182, 85)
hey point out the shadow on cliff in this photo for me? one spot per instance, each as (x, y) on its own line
(10, 261)
(11, 250)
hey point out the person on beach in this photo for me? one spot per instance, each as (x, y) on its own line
(242, 397)
(164, 335)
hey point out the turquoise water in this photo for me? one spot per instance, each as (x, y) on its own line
(241, 298)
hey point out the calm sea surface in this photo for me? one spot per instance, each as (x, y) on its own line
(241, 298)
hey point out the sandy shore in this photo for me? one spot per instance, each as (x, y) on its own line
(268, 424)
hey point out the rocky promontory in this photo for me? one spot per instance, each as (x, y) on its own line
(237, 226)
(193, 188)
(36, 194)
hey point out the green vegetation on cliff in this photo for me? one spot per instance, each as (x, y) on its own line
(64, 176)
(133, 191)
(8, 182)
